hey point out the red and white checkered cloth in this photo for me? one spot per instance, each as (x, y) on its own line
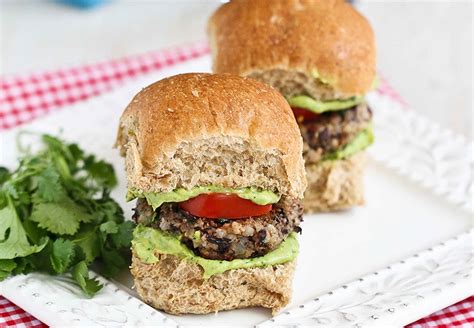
(458, 315)
(13, 316)
(24, 98)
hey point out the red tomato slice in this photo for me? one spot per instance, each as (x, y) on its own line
(228, 206)
(304, 115)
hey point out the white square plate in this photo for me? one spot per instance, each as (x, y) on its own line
(407, 253)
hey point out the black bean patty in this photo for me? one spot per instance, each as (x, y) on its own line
(225, 239)
(333, 130)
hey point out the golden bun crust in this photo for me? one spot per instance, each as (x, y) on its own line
(325, 36)
(176, 286)
(200, 129)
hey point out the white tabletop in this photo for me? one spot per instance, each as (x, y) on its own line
(424, 49)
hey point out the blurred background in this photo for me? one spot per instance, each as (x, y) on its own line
(424, 47)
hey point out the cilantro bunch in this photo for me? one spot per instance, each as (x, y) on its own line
(57, 216)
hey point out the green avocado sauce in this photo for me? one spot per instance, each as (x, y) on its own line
(361, 141)
(148, 241)
(318, 107)
(155, 199)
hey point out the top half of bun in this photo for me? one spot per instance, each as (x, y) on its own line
(202, 129)
(327, 39)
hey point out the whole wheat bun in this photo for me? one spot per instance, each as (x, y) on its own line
(335, 185)
(176, 286)
(285, 43)
(202, 129)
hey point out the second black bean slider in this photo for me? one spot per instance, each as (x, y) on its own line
(215, 165)
(320, 54)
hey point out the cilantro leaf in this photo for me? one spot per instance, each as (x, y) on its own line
(123, 237)
(24, 265)
(49, 186)
(10, 189)
(57, 147)
(41, 260)
(13, 239)
(109, 208)
(113, 262)
(109, 227)
(62, 218)
(76, 152)
(6, 268)
(81, 275)
(4, 175)
(101, 171)
(57, 216)
(88, 243)
(35, 234)
(62, 255)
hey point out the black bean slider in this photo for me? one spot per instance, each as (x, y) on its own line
(215, 165)
(320, 54)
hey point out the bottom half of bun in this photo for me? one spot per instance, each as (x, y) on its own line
(177, 286)
(335, 184)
